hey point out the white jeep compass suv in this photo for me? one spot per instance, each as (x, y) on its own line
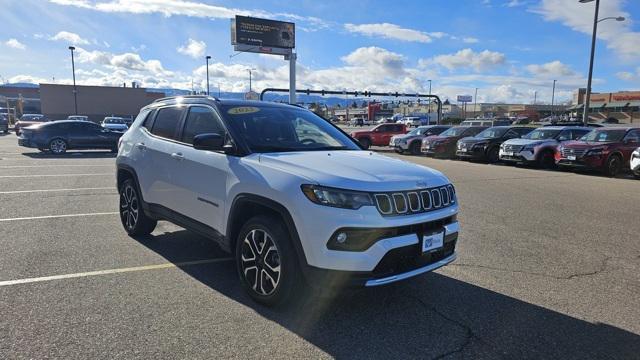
(292, 196)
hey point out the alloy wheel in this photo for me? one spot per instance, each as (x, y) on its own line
(614, 166)
(260, 262)
(129, 207)
(58, 146)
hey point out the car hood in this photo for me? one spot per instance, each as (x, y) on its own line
(585, 144)
(523, 142)
(356, 170)
(474, 140)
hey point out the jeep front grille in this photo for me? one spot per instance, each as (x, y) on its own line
(415, 201)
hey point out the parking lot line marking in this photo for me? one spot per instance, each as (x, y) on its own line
(51, 165)
(113, 271)
(52, 190)
(51, 175)
(57, 216)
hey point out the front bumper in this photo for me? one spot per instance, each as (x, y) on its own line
(521, 156)
(474, 153)
(26, 143)
(584, 162)
(635, 164)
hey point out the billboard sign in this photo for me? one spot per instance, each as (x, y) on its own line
(264, 33)
(464, 98)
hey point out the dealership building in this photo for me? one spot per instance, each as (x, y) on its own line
(96, 102)
(622, 105)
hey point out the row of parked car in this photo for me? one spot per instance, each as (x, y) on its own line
(606, 149)
(109, 122)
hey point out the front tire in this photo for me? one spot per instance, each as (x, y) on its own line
(546, 160)
(366, 143)
(132, 216)
(266, 261)
(415, 148)
(613, 166)
(58, 146)
(493, 155)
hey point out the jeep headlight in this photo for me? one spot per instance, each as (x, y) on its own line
(347, 199)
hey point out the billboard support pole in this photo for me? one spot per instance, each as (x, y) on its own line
(292, 77)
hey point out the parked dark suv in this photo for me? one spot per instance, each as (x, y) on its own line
(606, 149)
(444, 145)
(486, 145)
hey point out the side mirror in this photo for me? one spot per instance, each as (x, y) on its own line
(209, 141)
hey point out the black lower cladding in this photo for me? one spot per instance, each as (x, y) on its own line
(408, 258)
(396, 261)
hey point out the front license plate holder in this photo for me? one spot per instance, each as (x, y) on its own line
(432, 241)
(571, 157)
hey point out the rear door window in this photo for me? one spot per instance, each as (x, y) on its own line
(166, 122)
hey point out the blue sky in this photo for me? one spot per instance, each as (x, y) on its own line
(509, 49)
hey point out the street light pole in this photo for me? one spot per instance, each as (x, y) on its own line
(475, 103)
(75, 90)
(429, 86)
(207, 60)
(553, 95)
(585, 113)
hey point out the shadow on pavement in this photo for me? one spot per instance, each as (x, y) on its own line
(430, 316)
(72, 155)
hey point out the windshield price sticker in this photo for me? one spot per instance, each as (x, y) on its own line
(243, 110)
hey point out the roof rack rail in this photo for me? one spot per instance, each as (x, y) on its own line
(186, 96)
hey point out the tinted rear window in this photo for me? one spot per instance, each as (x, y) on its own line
(166, 122)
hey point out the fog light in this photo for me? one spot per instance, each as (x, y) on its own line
(341, 238)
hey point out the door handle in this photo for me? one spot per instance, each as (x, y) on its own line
(141, 146)
(177, 156)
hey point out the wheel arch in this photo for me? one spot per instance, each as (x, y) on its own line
(125, 172)
(245, 206)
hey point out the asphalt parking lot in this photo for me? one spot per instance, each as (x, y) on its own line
(548, 267)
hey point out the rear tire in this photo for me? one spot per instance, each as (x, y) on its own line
(613, 165)
(132, 216)
(58, 146)
(267, 262)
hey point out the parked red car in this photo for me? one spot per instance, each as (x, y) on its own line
(444, 145)
(606, 149)
(379, 135)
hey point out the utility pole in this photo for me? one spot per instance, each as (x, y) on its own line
(75, 90)
(207, 60)
(553, 95)
(535, 96)
(475, 104)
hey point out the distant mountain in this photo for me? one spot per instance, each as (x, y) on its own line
(27, 85)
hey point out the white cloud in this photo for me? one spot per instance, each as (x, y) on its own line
(126, 61)
(629, 76)
(470, 40)
(187, 8)
(389, 31)
(578, 16)
(514, 3)
(467, 58)
(193, 48)
(69, 37)
(554, 68)
(14, 43)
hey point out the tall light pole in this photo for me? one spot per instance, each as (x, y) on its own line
(553, 95)
(250, 70)
(475, 104)
(207, 60)
(429, 86)
(535, 96)
(75, 90)
(585, 113)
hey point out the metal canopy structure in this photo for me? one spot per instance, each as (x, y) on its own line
(360, 93)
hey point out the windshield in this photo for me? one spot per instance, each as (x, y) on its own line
(113, 121)
(418, 131)
(455, 131)
(542, 134)
(282, 129)
(33, 118)
(604, 135)
(492, 133)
